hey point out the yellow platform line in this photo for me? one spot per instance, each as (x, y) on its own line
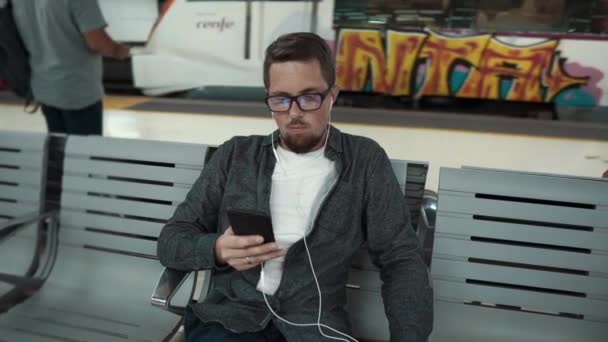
(123, 102)
(109, 102)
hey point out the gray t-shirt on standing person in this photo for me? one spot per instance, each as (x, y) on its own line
(65, 73)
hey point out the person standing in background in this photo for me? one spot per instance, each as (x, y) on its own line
(66, 40)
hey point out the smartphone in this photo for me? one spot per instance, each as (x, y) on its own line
(251, 222)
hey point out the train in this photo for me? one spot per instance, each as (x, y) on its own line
(516, 55)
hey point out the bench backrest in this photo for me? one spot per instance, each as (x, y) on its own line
(23, 157)
(116, 196)
(520, 257)
(22, 173)
(117, 193)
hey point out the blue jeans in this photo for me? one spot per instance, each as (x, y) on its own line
(197, 331)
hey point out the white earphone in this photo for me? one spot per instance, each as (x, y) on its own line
(318, 324)
(331, 106)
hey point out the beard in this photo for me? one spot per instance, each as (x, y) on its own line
(302, 143)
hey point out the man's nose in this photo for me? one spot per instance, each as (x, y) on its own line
(295, 111)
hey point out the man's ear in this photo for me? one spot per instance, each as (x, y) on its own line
(335, 91)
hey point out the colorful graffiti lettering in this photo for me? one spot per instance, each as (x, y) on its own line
(441, 55)
(430, 64)
(356, 52)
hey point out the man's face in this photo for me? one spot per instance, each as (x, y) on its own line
(301, 131)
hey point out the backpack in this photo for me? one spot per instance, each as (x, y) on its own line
(14, 58)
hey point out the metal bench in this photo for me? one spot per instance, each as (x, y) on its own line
(363, 291)
(25, 229)
(520, 257)
(116, 196)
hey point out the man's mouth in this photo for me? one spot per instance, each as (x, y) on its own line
(296, 127)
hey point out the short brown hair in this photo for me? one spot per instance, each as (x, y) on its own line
(302, 47)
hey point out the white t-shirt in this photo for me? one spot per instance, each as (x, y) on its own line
(300, 182)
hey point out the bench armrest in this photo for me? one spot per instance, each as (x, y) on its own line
(10, 227)
(428, 210)
(426, 225)
(169, 284)
(42, 263)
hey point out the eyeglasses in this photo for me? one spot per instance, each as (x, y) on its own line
(306, 102)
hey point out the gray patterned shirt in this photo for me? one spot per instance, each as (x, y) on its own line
(365, 205)
(65, 73)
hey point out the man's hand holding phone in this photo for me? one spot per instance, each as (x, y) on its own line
(244, 252)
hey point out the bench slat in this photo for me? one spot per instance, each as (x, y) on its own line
(9, 333)
(526, 299)
(520, 276)
(81, 237)
(130, 189)
(51, 326)
(16, 252)
(112, 276)
(71, 201)
(522, 211)
(524, 255)
(22, 140)
(17, 209)
(132, 149)
(20, 193)
(117, 287)
(526, 185)
(458, 322)
(26, 160)
(29, 177)
(144, 324)
(146, 172)
(467, 227)
(118, 224)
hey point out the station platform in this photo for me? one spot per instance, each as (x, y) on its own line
(441, 139)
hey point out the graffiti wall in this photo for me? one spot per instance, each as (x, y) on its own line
(406, 63)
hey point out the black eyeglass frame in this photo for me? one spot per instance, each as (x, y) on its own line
(293, 99)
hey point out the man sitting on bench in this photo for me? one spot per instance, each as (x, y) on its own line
(326, 192)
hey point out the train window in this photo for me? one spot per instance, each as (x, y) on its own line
(599, 18)
(521, 15)
(560, 16)
(393, 13)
